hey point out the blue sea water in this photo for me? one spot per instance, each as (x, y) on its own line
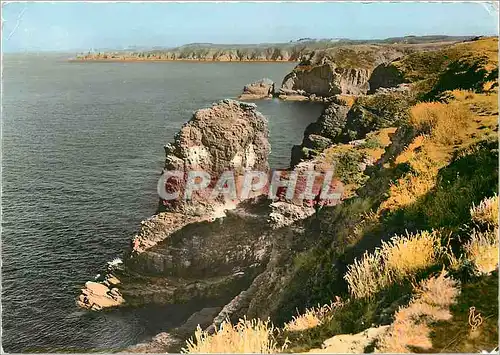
(82, 147)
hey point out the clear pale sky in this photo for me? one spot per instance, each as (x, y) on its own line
(81, 26)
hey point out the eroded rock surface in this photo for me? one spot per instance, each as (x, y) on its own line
(196, 249)
(261, 89)
(322, 133)
(351, 343)
(340, 70)
(230, 135)
(97, 295)
(339, 123)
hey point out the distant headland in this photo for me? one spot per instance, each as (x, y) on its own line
(291, 51)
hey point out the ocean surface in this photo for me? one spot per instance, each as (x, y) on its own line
(82, 150)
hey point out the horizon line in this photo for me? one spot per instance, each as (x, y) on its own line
(305, 39)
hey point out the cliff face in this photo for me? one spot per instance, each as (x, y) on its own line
(184, 252)
(341, 70)
(322, 133)
(339, 123)
(264, 52)
(255, 53)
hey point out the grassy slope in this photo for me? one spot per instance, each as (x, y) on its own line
(419, 184)
(430, 171)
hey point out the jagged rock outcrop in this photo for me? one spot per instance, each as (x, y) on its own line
(261, 89)
(184, 252)
(373, 112)
(386, 75)
(339, 123)
(322, 133)
(230, 135)
(341, 70)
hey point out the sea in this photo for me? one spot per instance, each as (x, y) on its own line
(82, 149)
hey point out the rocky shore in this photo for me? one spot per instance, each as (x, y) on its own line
(240, 254)
(234, 251)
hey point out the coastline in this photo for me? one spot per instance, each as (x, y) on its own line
(122, 60)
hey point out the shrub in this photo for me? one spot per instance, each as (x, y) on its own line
(371, 143)
(482, 251)
(411, 323)
(349, 166)
(438, 291)
(247, 336)
(445, 123)
(486, 213)
(367, 275)
(399, 259)
(311, 318)
(405, 255)
(407, 190)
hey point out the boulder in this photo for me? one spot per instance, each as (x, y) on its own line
(351, 343)
(261, 89)
(96, 296)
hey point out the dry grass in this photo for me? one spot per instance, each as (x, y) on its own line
(411, 323)
(445, 123)
(463, 95)
(482, 251)
(247, 337)
(349, 100)
(481, 103)
(486, 213)
(367, 275)
(405, 255)
(485, 46)
(312, 317)
(396, 260)
(309, 319)
(425, 161)
(407, 190)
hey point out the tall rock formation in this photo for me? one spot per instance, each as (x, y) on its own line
(185, 252)
(229, 136)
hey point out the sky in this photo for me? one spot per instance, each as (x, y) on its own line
(81, 26)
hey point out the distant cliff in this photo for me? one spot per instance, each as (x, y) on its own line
(350, 69)
(266, 52)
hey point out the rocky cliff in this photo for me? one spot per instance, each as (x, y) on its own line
(221, 252)
(340, 123)
(230, 135)
(341, 70)
(263, 52)
(268, 259)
